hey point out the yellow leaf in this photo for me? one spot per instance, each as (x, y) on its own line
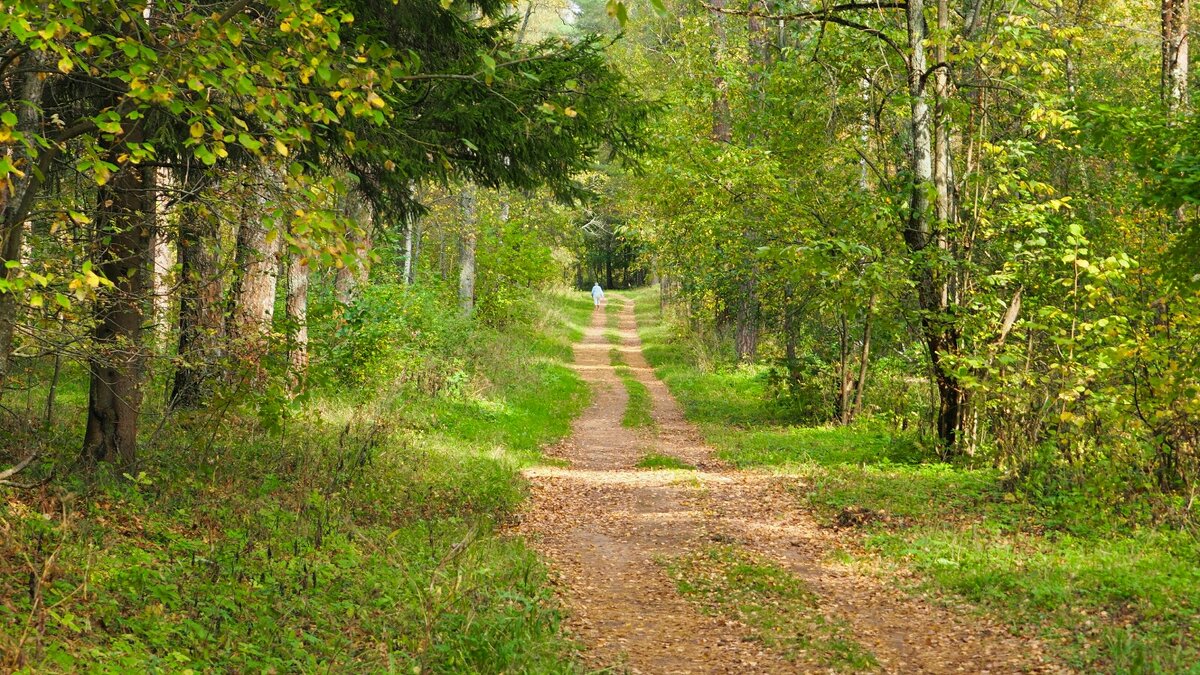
(197, 130)
(281, 148)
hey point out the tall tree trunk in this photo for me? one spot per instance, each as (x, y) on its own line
(254, 300)
(297, 315)
(745, 320)
(1176, 15)
(162, 256)
(466, 251)
(609, 238)
(843, 370)
(941, 335)
(201, 306)
(352, 276)
(12, 194)
(1175, 19)
(746, 309)
(722, 128)
(864, 358)
(116, 364)
(943, 167)
(410, 236)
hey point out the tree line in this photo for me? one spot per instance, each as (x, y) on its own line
(173, 175)
(970, 217)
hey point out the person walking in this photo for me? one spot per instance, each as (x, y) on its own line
(597, 294)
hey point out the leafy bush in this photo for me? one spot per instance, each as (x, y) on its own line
(394, 333)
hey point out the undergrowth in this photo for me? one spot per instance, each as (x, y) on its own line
(358, 534)
(1069, 559)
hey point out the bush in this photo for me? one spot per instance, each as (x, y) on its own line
(394, 333)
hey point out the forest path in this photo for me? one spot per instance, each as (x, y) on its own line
(607, 529)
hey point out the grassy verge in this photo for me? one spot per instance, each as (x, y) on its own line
(361, 536)
(775, 605)
(657, 461)
(639, 407)
(1115, 591)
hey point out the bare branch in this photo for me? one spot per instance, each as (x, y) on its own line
(9, 473)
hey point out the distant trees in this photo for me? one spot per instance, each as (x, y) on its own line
(950, 192)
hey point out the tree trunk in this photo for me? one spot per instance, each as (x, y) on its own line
(162, 257)
(411, 223)
(843, 371)
(466, 251)
(297, 315)
(864, 361)
(941, 335)
(351, 276)
(1175, 54)
(722, 129)
(254, 300)
(116, 364)
(1175, 18)
(12, 195)
(943, 167)
(201, 306)
(745, 335)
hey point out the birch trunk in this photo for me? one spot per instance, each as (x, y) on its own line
(257, 258)
(941, 336)
(466, 252)
(1175, 18)
(297, 315)
(162, 256)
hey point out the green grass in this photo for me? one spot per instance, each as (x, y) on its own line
(654, 460)
(1114, 591)
(361, 536)
(775, 605)
(639, 407)
(612, 312)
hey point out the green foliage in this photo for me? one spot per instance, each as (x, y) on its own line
(393, 333)
(514, 263)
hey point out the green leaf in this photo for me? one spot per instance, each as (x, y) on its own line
(234, 33)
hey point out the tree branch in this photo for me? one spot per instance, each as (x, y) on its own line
(9, 473)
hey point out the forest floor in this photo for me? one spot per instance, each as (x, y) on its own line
(669, 560)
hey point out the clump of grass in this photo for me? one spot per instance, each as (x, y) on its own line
(639, 408)
(612, 313)
(777, 606)
(655, 460)
(616, 358)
